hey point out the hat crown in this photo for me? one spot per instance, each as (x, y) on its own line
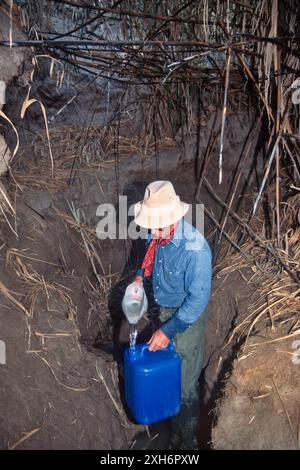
(161, 206)
(158, 193)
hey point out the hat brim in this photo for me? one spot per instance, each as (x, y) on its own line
(154, 219)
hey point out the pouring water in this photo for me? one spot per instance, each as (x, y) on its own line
(132, 335)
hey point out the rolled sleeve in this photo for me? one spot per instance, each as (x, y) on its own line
(140, 272)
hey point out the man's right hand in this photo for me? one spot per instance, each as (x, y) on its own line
(139, 280)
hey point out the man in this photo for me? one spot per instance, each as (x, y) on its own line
(179, 259)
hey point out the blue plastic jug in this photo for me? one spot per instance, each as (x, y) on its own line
(152, 383)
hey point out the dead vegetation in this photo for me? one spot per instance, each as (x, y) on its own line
(276, 294)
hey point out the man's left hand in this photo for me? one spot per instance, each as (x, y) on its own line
(158, 341)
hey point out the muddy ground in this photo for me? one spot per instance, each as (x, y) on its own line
(260, 405)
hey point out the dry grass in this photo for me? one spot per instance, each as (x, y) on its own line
(277, 296)
(42, 327)
(26, 435)
(11, 298)
(98, 296)
(68, 387)
(84, 150)
(201, 33)
(38, 288)
(116, 402)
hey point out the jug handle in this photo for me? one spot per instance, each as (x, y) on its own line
(170, 347)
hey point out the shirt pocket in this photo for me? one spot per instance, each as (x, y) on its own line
(174, 277)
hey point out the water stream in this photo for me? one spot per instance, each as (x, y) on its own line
(132, 335)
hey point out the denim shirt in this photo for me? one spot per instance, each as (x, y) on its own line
(181, 277)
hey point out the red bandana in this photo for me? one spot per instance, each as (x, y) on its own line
(148, 262)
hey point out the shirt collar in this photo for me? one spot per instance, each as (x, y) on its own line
(178, 234)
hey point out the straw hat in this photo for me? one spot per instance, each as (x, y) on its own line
(160, 207)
